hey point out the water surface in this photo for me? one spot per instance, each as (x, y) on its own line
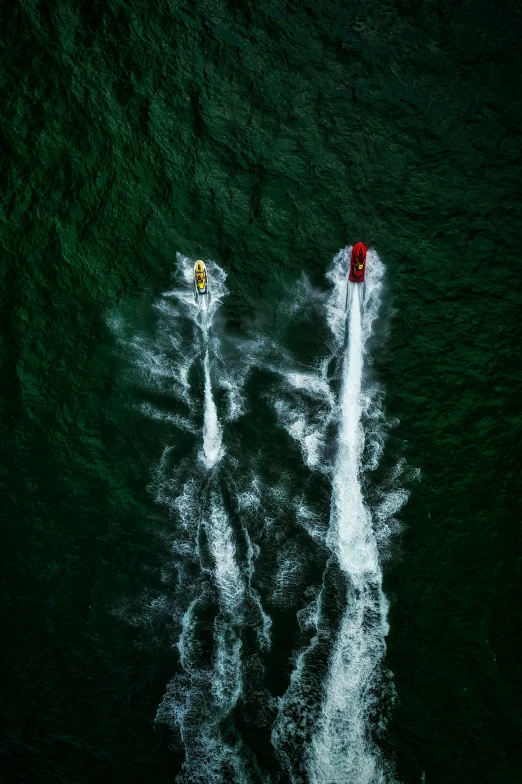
(265, 138)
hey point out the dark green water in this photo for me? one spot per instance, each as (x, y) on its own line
(265, 137)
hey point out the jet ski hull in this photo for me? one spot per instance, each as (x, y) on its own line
(201, 291)
(358, 263)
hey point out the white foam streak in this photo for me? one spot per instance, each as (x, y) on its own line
(186, 344)
(337, 735)
(227, 677)
(222, 547)
(212, 433)
(174, 419)
(203, 694)
(308, 434)
(350, 522)
(342, 749)
(306, 412)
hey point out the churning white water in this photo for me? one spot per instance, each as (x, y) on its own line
(187, 366)
(322, 732)
(227, 573)
(212, 433)
(199, 699)
(340, 748)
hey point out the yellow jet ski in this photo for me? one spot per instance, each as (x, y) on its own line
(200, 280)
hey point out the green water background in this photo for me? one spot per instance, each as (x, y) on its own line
(266, 137)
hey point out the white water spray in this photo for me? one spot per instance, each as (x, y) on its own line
(340, 746)
(212, 433)
(350, 520)
(200, 701)
(188, 343)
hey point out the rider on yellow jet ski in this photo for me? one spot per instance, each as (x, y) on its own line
(200, 277)
(201, 291)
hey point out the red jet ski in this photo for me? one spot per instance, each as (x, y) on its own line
(358, 263)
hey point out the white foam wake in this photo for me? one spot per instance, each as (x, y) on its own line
(203, 695)
(198, 700)
(337, 733)
(228, 575)
(212, 433)
(192, 377)
(342, 749)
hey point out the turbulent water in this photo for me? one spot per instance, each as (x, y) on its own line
(208, 576)
(198, 517)
(340, 745)
(200, 698)
(341, 749)
(215, 493)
